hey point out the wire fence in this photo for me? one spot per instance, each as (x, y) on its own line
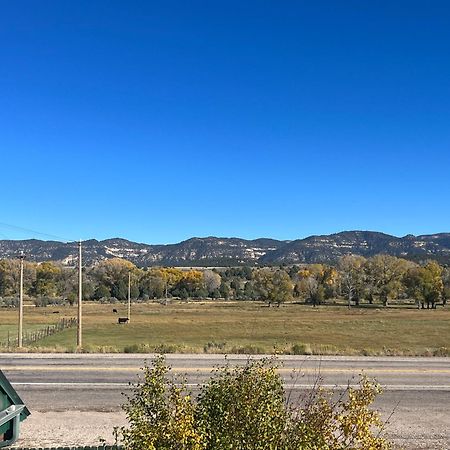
(30, 337)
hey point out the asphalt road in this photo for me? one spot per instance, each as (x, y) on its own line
(67, 382)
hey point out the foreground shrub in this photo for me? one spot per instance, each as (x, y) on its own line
(346, 423)
(160, 414)
(245, 408)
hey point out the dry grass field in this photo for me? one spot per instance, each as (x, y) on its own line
(243, 327)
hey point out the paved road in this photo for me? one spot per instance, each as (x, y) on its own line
(95, 382)
(74, 399)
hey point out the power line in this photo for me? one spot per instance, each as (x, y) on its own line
(4, 236)
(34, 232)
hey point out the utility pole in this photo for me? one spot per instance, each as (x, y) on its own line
(80, 298)
(129, 295)
(19, 340)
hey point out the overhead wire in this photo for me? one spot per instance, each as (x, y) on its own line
(38, 233)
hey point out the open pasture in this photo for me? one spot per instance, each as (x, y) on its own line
(243, 327)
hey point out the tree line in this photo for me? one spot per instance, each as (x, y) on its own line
(377, 280)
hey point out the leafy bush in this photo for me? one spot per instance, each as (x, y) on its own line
(245, 408)
(302, 349)
(160, 348)
(214, 347)
(348, 423)
(9, 302)
(248, 350)
(161, 414)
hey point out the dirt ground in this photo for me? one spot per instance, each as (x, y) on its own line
(51, 429)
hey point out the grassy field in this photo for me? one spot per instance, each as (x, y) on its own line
(245, 327)
(37, 320)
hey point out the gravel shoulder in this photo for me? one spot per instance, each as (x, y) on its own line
(409, 430)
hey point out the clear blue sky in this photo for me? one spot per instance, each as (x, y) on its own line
(159, 121)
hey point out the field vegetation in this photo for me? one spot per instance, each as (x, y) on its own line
(376, 306)
(243, 327)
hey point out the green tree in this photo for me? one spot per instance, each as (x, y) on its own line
(119, 290)
(68, 282)
(102, 291)
(235, 285)
(249, 291)
(152, 284)
(224, 290)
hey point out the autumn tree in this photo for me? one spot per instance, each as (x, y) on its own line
(351, 277)
(47, 277)
(9, 277)
(245, 408)
(190, 283)
(273, 286)
(425, 284)
(384, 277)
(113, 274)
(171, 277)
(68, 285)
(152, 284)
(315, 281)
(212, 281)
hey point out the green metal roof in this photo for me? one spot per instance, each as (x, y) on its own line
(13, 397)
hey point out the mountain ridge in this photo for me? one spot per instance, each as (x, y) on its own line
(216, 251)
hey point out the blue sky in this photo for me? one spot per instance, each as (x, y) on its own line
(159, 121)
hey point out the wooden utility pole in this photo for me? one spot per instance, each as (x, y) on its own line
(80, 298)
(19, 340)
(129, 295)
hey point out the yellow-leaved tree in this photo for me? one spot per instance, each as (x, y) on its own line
(246, 408)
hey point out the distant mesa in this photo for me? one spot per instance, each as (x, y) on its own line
(214, 251)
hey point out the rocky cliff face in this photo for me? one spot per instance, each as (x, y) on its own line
(212, 251)
(196, 251)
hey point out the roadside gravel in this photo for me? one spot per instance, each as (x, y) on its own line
(408, 431)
